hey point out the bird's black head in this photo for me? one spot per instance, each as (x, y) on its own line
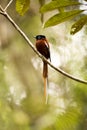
(39, 37)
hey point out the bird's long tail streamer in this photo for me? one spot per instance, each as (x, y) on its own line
(45, 76)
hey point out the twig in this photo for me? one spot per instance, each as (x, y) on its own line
(8, 5)
(34, 49)
(1, 12)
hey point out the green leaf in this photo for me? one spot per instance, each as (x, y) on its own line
(22, 6)
(60, 9)
(61, 17)
(78, 25)
(57, 4)
(68, 120)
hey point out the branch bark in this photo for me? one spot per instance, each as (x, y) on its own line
(4, 13)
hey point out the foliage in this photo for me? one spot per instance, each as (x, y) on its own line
(62, 14)
(78, 24)
(68, 120)
(61, 17)
(22, 6)
(55, 4)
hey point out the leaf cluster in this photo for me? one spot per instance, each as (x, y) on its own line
(62, 14)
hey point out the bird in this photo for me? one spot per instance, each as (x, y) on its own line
(43, 47)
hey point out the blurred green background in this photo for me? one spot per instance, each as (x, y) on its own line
(22, 104)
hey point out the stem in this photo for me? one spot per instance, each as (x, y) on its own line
(8, 5)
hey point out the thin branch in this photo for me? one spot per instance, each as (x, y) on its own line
(8, 5)
(1, 12)
(34, 49)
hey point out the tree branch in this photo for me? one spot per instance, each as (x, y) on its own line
(3, 12)
(8, 5)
